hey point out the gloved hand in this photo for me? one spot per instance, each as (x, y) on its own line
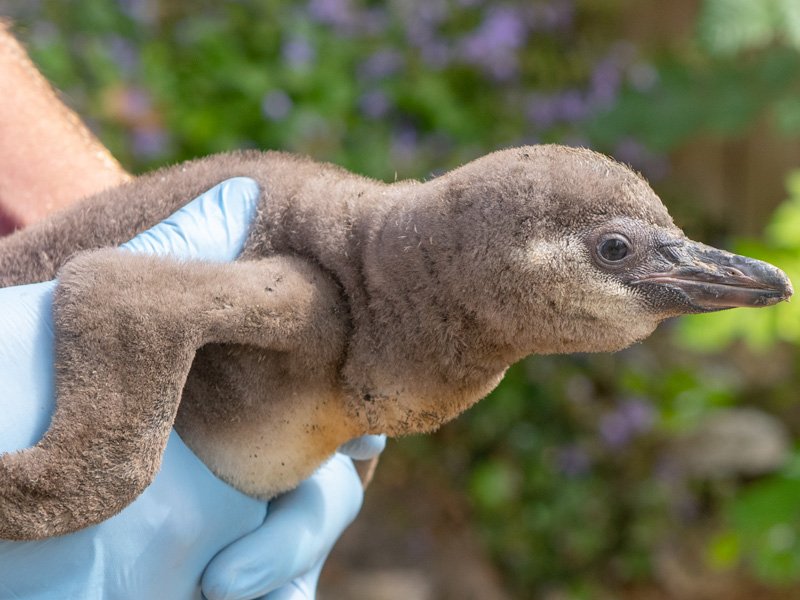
(188, 530)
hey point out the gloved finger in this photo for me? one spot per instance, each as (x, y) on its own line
(213, 226)
(300, 529)
(302, 588)
(26, 364)
(25, 308)
(364, 447)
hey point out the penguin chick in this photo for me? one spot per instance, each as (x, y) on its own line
(356, 307)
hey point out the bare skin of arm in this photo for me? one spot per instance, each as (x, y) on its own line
(48, 158)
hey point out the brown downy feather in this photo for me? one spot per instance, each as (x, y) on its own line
(356, 307)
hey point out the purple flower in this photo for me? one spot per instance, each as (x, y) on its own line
(404, 144)
(420, 33)
(338, 13)
(297, 52)
(572, 461)
(148, 141)
(436, 54)
(565, 107)
(502, 66)
(493, 44)
(134, 104)
(614, 429)
(383, 63)
(139, 10)
(422, 20)
(606, 79)
(629, 419)
(500, 31)
(432, 12)
(571, 106)
(275, 105)
(542, 111)
(375, 104)
(641, 158)
(347, 19)
(124, 53)
(504, 28)
(550, 16)
(640, 415)
(373, 21)
(630, 151)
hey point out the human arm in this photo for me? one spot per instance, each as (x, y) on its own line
(48, 158)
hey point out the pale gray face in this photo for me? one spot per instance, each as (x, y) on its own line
(609, 286)
(564, 250)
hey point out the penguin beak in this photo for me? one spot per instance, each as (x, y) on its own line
(713, 279)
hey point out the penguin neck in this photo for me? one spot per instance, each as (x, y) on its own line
(419, 356)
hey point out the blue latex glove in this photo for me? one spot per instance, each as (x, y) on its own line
(188, 529)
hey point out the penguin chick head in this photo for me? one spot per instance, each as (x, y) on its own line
(558, 249)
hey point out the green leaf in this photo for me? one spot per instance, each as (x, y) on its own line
(727, 27)
(709, 333)
(493, 484)
(766, 504)
(786, 116)
(725, 550)
(765, 515)
(789, 17)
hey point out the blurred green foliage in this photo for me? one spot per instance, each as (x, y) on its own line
(759, 330)
(761, 522)
(728, 27)
(400, 88)
(570, 466)
(764, 522)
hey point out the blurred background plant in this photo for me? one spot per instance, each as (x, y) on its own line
(669, 470)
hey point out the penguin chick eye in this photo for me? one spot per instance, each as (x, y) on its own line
(613, 249)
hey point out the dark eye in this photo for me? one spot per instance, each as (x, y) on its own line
(613, 249)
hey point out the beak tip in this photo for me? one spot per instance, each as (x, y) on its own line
(788, 289)
(712, 279)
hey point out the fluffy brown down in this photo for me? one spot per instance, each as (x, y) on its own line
(356, 307)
